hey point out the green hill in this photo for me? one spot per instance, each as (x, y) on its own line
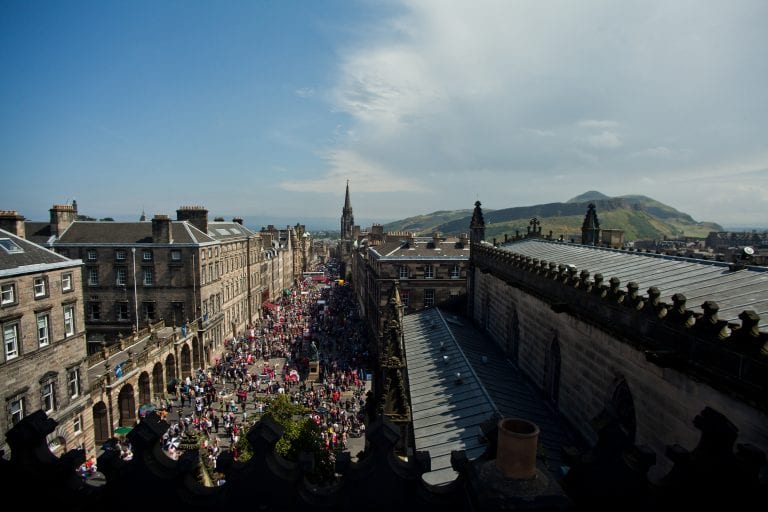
(640, 217)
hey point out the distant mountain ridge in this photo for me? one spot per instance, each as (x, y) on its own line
(640, 217)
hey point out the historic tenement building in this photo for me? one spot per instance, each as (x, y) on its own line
(43, 364)
(430, 271)
(212, 276)
(647, 339)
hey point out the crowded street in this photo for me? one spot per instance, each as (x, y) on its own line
(315, 321)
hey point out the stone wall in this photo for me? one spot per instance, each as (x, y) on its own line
(593, 363)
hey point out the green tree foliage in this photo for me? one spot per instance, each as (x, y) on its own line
(300, 434)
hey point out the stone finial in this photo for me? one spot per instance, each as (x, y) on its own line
(654, 301)
(679, 313)
(633, 298)
(748, 337)
(709, 323)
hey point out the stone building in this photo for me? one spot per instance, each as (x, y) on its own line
(647, 339)
(429, 271)
(43, 364)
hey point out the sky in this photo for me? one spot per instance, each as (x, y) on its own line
(264, 109)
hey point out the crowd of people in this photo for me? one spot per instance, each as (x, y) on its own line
(273, 357)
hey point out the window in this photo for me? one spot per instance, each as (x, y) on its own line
(429, 271)
(403, 272)
(120, 276)
(41, 290)
(146, 255)
(455, 272)
(73, 382)
(11, 340)
(148, 309)
(94, 310)
(120, 254)
(93, 276)
(43, 330)
(405, 297)
(69, 320)
(149, 277)
(77, 424)
(10, 246)
(90, 255)
(66, 282)
(429, 297)
(178, 313)
(48, 401)
(16, 408)
(176, 255)
(122, 311)
(7, 294)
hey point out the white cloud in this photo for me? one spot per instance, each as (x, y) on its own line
(364, 176)
(478, 96)
(599, 124)
(604, 140)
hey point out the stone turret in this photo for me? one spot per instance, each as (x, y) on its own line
(590, 229)
(477, 225)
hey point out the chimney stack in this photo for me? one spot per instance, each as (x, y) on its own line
(196, 215)
(238, 220)
(62, 216)
(161, 230)
(11, 221)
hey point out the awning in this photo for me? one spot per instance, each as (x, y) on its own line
(270, 306)
(121, 431)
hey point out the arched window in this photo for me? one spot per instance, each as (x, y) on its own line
(623, 406)
(552, 371)
(145, 395)
(157, 380)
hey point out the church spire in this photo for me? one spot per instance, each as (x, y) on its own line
(347, 218)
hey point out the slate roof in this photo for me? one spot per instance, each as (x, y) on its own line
(29, 257)
(446, 414)
(37, 232)
(698, 280)
(128, 233)
(225, 230)
(421, 248)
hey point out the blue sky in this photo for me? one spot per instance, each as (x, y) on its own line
(264, 109)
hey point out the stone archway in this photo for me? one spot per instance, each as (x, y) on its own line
(170, 369)
(186, 362)
(101, 430)
(158, 386)
(145, 394)
(126, 404)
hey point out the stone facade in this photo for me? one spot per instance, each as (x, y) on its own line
(590, 347)
(43, 364)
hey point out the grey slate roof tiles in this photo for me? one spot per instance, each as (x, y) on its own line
(88, 232)
(446, 414)
(30, 257)
(698, 280)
